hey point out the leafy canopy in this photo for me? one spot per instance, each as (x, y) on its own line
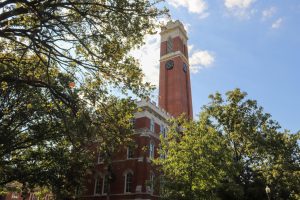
(61, 63)
(233, 151)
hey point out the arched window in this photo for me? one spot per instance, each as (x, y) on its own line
(151, 150)
(128, 182)
(169, 45)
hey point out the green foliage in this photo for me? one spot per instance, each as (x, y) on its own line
(261, 154)
(46, 140)
(195, 161)
(60, 64)
(233, 152)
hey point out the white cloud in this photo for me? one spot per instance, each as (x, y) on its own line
(148, 56)
(268, 13)
(193, 6)
(277, 23)
(240, 8)
(200, 59)
(241, 4)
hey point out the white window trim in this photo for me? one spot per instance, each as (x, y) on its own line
(126, 182)
(103, 184)
(165, 131)
(151, 150)
(152, 125)
(128, 148)
(162, 128)
(152, 175)
(95, 187)
(14, 195)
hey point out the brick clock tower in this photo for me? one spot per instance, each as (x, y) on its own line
(174, 82)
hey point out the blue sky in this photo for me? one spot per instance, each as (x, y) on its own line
(253, 45)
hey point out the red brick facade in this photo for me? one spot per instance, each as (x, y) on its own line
(148, 123)
(174, 84)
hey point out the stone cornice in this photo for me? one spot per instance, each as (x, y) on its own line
(173, 55)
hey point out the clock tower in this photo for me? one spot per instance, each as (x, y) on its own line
(174, 80)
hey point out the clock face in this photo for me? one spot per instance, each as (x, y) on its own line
(184, 67)
(169, 64)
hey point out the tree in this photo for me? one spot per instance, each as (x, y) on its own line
(46, 142)
(59, 62)
(261, 154)
(232, 152)
(195, 160)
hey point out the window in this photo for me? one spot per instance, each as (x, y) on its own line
(15, 195)
(162, 183)
(128, 182)
(169, 45)
(162, 154)
(129, 152)
(163, 131)
(105, 185)
(166, 132)
(151, 150)
(97, 190)
(152, 125)
(162, 128)
(152, 181)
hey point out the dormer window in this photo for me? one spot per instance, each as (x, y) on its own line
(169, 45)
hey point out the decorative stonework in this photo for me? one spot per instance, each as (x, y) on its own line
(173, 29)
